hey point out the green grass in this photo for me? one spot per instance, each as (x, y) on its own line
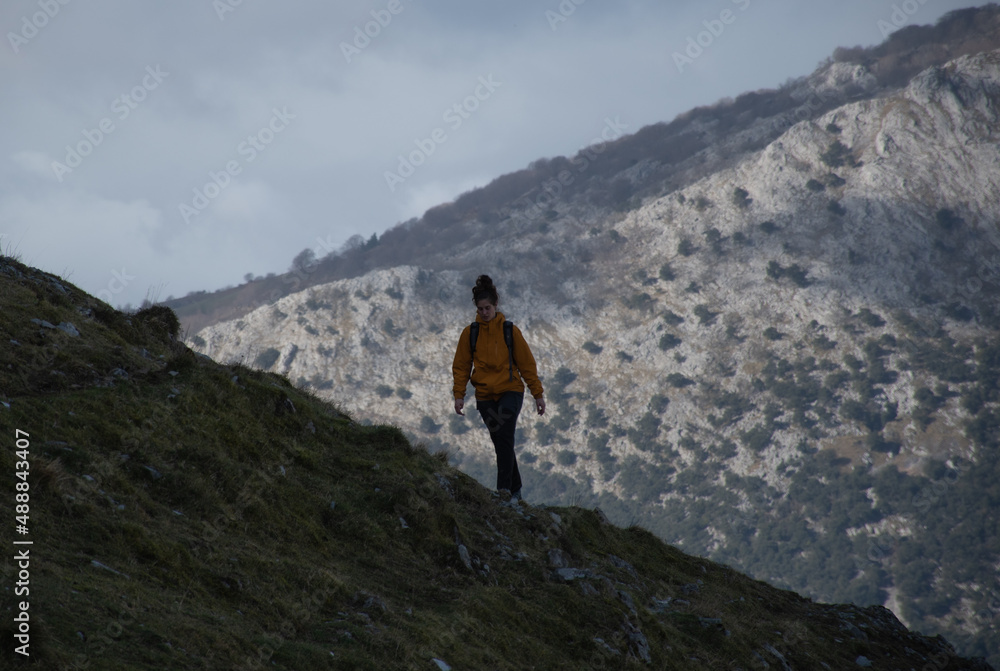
(199, 516)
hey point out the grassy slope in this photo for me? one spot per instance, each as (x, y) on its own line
(191, 515)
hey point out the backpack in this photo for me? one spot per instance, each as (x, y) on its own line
(508, 338)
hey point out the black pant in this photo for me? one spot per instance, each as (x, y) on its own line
(500, 417)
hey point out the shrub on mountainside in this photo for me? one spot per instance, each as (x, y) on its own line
(597, 443)
(822, 342)
(645, 431)
(391, 329)
(757, 438)
(565, 416)
(927, 404)
(866, 414)
(869, 318)
(679, 381)
(565, 458)
(733, 324)
(658, 403)
(267, 358)
(798, 275)
(815, 185)
(428, 425)
(545, 434)
(705, 316)
(741, 198)
(942, 357)
(834, 181)
(672, 318)
(836, 155)
(714, 238)
(725, 449)
(595, 417)
(732, 405)
(772, 333)
(836, 208)
(641, 301)
(458, 425)
(947, 219)
(557, 384)
(960, 312)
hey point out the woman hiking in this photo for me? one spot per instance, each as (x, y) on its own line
(497, 372)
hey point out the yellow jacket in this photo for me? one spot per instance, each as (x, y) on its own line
(490, 371)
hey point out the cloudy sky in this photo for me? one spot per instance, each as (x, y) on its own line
(153, 148)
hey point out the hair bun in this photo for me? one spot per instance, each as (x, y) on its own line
(485, 289)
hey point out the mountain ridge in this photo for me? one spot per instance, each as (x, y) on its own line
(620, 173)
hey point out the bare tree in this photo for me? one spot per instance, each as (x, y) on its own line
(304, 260)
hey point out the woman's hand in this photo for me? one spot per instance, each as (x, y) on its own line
(459, 404)
(540, 405)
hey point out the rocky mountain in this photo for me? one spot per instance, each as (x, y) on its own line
(178, 513)
(789, 364)
(620, 172)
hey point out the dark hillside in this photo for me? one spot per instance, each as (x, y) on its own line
(190, 515)
(912, 49)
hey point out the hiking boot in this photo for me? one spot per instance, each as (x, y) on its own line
(505, 495)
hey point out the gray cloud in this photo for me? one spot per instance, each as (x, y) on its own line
(169, 100)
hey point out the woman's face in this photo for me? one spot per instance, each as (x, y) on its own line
(486, 309)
